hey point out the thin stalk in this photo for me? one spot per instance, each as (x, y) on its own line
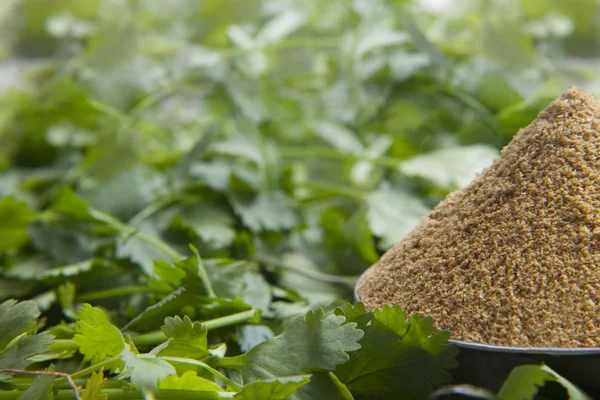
(207, 367)
(63, 344)
(131, 231)
(204, 275)
(156, 337)
(319, 276)
(73, 387)
(231, 362)
(153, 208)
(120, 291)
(148, 395)
(93, 368)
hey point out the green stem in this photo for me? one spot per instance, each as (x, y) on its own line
(63, 344)
(202, 272)
(229, 320)
(207, 367)
(319, 276)
(120, 291)
(96, 367)
(232, 362)
(153, 208)
(156, 337)
(131, 231)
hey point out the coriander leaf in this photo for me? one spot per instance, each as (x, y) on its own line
(214, 174)
(337, 135)
(20, 354)
(308, 343)
(127, 192)
(64, 245)
(273, 389)
(574, 392)
(146, 372)
(211, 223)
(16, 217)
(399, 358)
(166, 276)
(393, 213)
(256, 291)
(264, 212)
(97, 338)
(250, 336)
(16, 319)
(323, 385)
(40, 389)
(188, 339)
(356, 313)
(239, 146)
(94, 386)
(524, 382)
(68, 203)
(451, 167)
(188, 381)
(139, 251)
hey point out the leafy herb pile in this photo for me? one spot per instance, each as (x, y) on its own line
(189, 190)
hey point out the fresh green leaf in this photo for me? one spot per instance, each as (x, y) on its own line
(40, 389)
(16, 347)
(574, 392)
(68, 203)
(16, 216)
(392, 214)
(93, 387)
(187, 339)
(273, 389)
(145, 373)
(188, 381)
(400, 358)
(451, 167)
(97, 338)
(310, 343)
(253, 335)
(17, 318)
(19, 354)
(212, 224)
(269, 212)
(524, 382)
(326, 385)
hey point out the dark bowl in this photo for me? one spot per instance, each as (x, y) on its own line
(488, 366)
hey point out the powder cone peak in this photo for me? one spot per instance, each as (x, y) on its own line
(512, 259)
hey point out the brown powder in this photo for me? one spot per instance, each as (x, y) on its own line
(514, 258)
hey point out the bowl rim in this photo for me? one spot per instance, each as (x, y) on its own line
(501, 349)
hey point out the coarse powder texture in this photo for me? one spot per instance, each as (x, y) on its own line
(512, 259)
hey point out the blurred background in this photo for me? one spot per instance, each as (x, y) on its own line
(303, 136)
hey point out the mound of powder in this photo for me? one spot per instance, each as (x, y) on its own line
(513, 259)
